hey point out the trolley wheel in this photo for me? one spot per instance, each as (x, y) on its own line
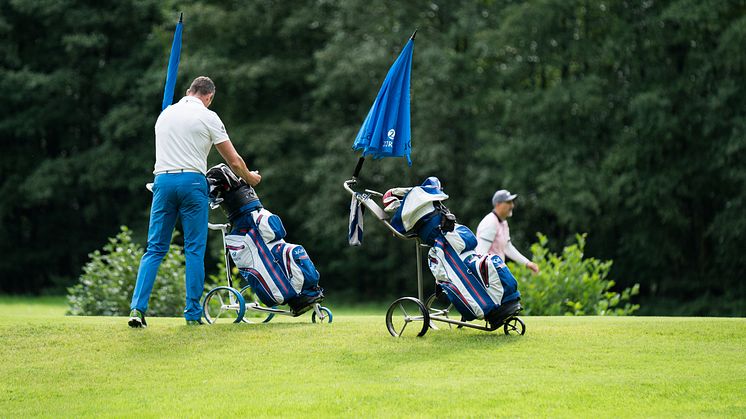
(326, 316)
(254, 316)
(223, 304)
(514, 326)
(439, 305)
(407, 310)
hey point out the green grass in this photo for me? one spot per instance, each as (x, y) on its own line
(61, 366)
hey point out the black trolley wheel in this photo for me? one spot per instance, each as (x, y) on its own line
(404, 311)
(514, 326)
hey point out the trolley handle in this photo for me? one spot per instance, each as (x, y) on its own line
(372, 192)
(350, 182)
(348, 187)
(223, 227)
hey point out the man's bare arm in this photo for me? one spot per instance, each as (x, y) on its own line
(236, 163)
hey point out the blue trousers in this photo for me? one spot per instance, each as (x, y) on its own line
(183, 195)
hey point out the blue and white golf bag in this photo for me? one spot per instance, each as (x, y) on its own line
(475, 284)
(278, 272)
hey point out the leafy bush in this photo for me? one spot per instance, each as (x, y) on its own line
(570, 285)
(108, 279)
(218, 279)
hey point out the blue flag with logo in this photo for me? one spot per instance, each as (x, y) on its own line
(386, 130)
(173, 67)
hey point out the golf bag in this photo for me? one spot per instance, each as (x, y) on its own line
(278, 272)
(477, 285)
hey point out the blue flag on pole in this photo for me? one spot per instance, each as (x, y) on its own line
(173, 67)
(386, 130)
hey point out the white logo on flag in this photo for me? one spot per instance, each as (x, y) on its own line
(392, 134)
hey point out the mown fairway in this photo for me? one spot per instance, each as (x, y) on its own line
(58, 366)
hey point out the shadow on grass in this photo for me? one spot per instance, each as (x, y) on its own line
(468, 335)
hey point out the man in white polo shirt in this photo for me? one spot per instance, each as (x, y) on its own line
(493, 233)
(184, 134)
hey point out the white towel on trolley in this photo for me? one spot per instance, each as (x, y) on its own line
(355, 229)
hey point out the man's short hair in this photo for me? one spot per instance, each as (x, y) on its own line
(202, 86)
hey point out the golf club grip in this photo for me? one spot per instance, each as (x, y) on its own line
(359, 166)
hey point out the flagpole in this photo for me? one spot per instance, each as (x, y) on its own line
(358, 167)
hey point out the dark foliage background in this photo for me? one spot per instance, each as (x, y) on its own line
(622, 119)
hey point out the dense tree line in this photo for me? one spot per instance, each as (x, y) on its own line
(622, 119)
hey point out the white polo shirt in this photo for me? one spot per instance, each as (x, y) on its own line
(184, 134)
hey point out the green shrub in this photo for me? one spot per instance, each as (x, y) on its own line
(219, 279)
(567, 284)
(108, 279)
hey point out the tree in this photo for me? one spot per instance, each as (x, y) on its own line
(622, 120)
(78, 112)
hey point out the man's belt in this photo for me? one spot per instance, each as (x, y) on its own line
(160, 172)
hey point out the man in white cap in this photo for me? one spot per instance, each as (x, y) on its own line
(493, 233)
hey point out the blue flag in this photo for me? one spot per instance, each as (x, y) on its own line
(386, 130)
(173, 67)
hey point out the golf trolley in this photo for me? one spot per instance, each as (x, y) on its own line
(228, 304)
(424, 313)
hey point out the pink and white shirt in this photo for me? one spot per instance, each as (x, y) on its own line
(493, 237)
